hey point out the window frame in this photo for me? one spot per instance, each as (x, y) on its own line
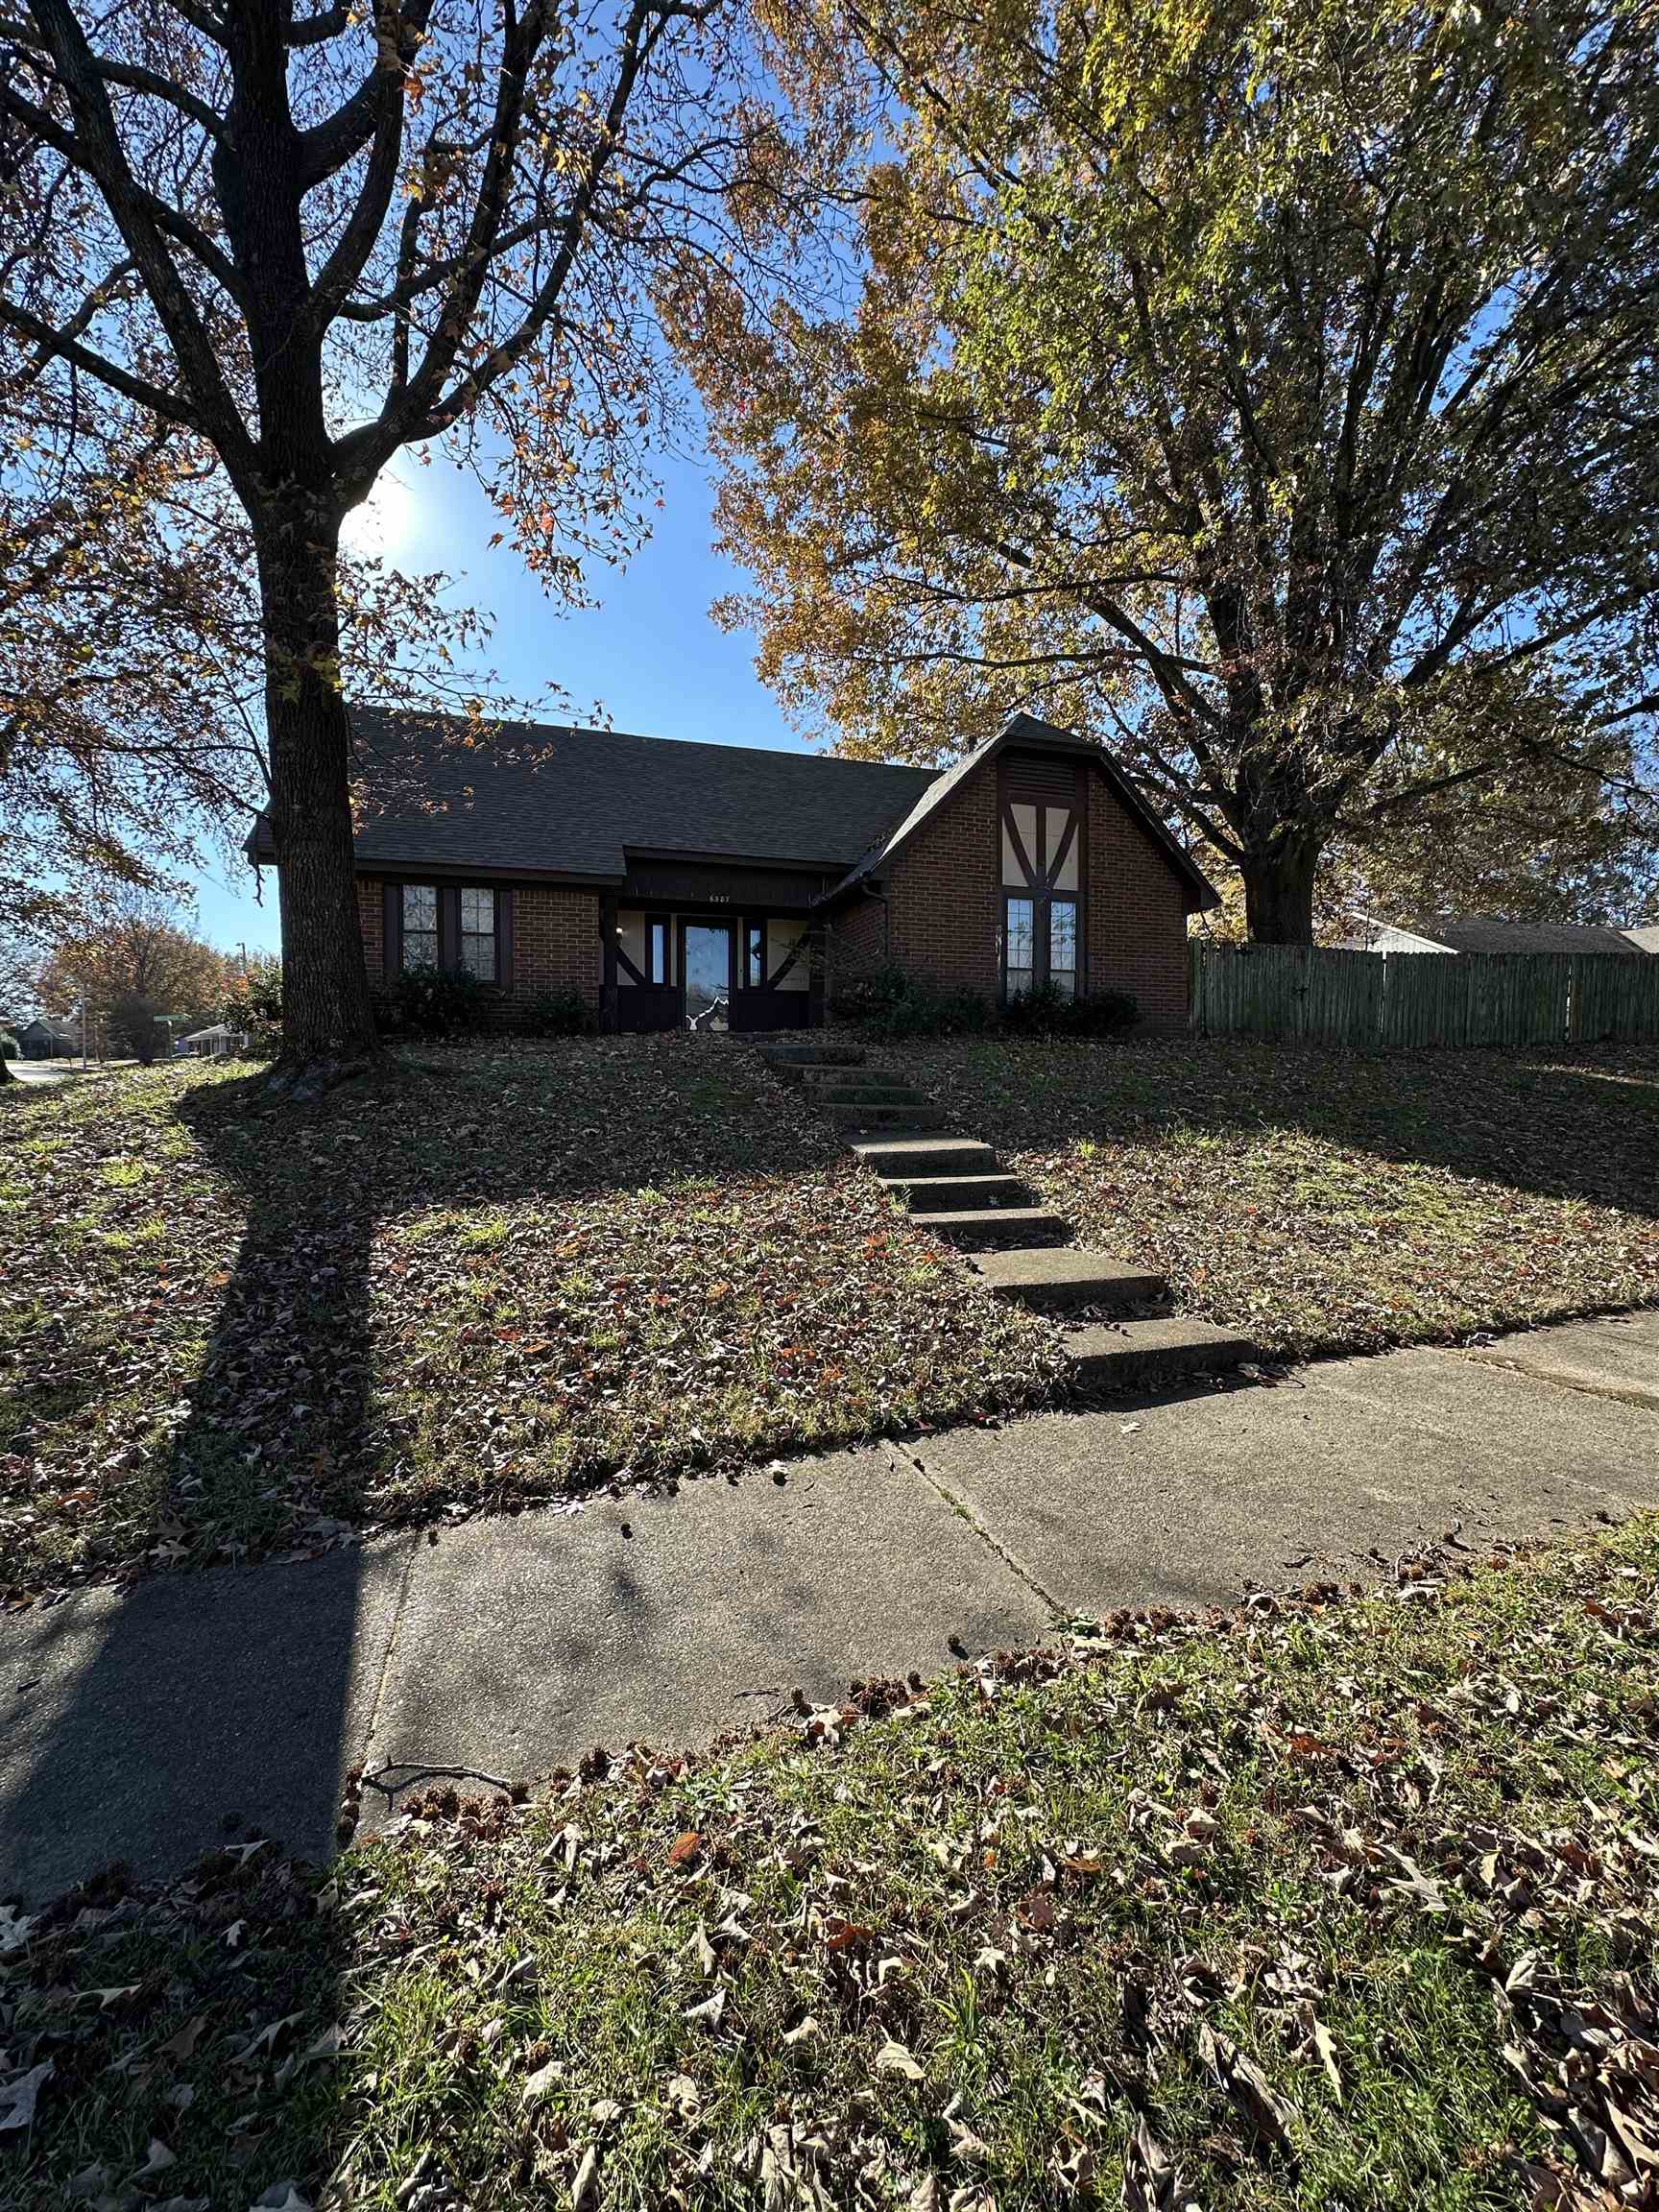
(404, 933)
(656, 963)
(1055, 841)
(492, 934)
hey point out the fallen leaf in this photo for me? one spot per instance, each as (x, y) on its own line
(21, 2095)
(894, 2058)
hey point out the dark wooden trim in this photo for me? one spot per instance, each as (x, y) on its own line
(504, 939)
(448, 926)
(607, 1011)
(625, 963)
(774, 981)
(1031, 869)
(1059, 860)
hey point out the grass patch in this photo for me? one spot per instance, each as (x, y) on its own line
(1331, 1201)
(492, 1275)
(1327, 1904)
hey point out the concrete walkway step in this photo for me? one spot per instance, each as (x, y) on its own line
(973, 1229)
(1051, 1282)
(855, 1094)
(791, 1061)
(957, 1193)
(921, 1155)
(1158, 1351)
(903, 1115)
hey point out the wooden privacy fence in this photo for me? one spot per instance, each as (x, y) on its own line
(1303, 990)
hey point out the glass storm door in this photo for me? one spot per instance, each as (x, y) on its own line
(706, 963)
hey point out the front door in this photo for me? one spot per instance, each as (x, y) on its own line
(705, 965)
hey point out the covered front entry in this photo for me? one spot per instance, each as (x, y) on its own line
(710, 971)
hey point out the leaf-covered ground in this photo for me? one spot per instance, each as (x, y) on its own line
(490, 1276)
(1335, 1201)
(1333, 1902)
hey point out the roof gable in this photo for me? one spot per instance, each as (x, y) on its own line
(1025, 730)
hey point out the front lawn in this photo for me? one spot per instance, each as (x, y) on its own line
(1330, 1905)
(1331, 1201)
(492, 1276)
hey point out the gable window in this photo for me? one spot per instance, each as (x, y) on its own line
(478, 933)
(1063, 946)
(1040, 811)
(1021, 942)
(419, 926)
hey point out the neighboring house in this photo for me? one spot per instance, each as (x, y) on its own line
(218, 1042)
(670, 882)
(1485, 933)
(43, 1038)
(1645, 940)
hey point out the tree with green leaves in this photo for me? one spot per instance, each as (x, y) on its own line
(1270, 390)
(296, 240)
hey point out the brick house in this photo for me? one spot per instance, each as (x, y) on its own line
(669, 882)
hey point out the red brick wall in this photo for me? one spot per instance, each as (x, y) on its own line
(943, 896)
(1135, 923)
(857, 942)
(555, 941)
(372, 915)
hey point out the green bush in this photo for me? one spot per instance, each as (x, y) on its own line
(559, 1014)
(425, 1002)
(1045, 1012)
(254, 1004)
(10, 1048)
(892, 1003)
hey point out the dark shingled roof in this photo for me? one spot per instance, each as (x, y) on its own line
(1488, 933)
(537, 800)
(550, 801)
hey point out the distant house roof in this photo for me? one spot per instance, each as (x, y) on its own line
(546, 801)
(1644, 939)
(1489, 933)
(543, 801)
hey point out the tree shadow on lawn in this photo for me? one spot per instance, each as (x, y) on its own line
(1532, 1120)
(167, 1715)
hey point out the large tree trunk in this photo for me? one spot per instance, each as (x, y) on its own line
(327, 1020)
(1279, 894)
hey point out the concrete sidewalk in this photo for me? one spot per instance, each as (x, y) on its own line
(151, 1724)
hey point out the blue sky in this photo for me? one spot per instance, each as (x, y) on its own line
(649, 654)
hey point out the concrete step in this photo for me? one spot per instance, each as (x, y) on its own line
(1051, 1282)
(892, 1156)
(817, 1071)
(865, 1095)
(1109, 1357)
(904, 1117)
(976, 1228)
(957, 1193)
(792, 1061)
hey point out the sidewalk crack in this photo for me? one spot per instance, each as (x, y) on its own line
(379, 1701)
(960, 1506)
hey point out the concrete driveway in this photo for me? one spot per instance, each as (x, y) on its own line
(152, 1724)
